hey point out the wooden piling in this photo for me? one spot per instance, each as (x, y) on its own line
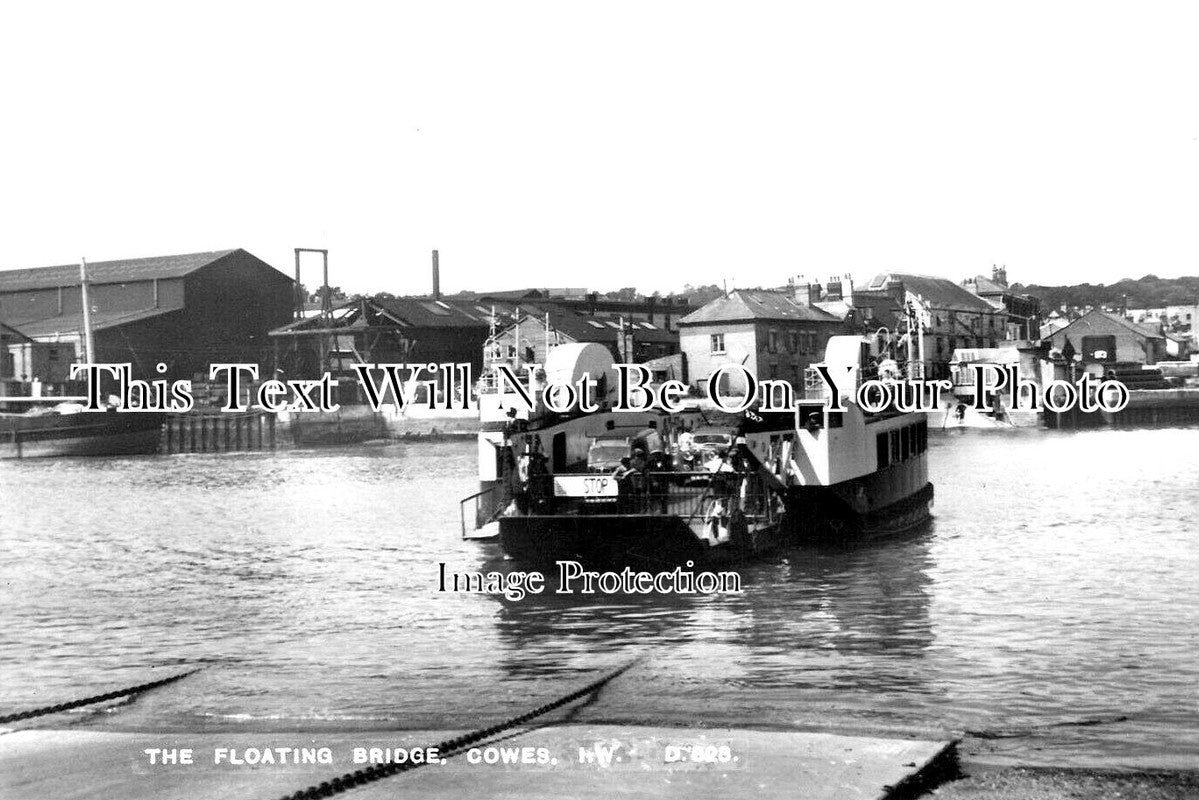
(219, 432)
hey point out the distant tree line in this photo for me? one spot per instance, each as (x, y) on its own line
(1147, 292)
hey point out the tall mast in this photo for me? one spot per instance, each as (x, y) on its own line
(89, 343)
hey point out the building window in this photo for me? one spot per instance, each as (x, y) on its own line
(1100, 349)
(718, 343)
(772, 341)
(793, 341)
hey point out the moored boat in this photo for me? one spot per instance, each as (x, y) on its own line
(41, 433)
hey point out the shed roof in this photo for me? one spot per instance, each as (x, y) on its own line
(122, 271)
(10, 334)
(72, 324)
(1090, 317)
(742, 305)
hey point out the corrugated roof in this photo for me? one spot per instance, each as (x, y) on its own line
(741, 305)
(125, 270)
(580, 328)
(72, 324)
(428, 313)
(938, 292)
(10, 334)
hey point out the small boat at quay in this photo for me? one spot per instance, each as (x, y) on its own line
(65, 430)
(806, 475)
(40, 427)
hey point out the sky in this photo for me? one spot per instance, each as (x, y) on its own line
(646, 144)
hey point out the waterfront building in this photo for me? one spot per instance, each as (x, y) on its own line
(1023, 310)
(185, 311)
(527, 339)
(660, 313)
(1101, 337)
(407, 330)
(767, 332)
(949, 316)
(9, 337)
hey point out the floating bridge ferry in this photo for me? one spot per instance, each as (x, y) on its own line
(804, 475)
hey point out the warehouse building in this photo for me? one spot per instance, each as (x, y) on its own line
(185, 311)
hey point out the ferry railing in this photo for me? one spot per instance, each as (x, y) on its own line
(693, 495)
(480, 508)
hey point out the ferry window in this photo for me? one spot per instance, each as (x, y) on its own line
(905, 443)
(895, 456)
(835, 420)
(811, 417)
(718, 343)
(921, 436)
(884, 450)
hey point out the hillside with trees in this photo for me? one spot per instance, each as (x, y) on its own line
(1147, 292)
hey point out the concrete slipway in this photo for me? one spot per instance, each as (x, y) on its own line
(63, 764)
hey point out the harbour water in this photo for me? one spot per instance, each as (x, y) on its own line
(1049, 614)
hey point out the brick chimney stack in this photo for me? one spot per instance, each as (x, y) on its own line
(806, 294)
(999, 275)
(834, 289)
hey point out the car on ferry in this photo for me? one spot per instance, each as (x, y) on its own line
(604, 454)
(705, 450)
(718, 440)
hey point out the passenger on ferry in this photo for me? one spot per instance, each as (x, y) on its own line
(623, 475)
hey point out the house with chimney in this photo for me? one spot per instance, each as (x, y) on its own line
(951, 317)
(1023, 311)
(768, 332)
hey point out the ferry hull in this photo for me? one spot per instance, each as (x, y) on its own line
(656, 541)
(826, 518)
(637, 541)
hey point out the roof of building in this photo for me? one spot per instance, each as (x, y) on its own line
(984, 286)
(604, 328)
(125, 270)
(72, 324)
(743, 305)
(10, 334)
(937, 292)
(1140, 330)
(425, 312)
